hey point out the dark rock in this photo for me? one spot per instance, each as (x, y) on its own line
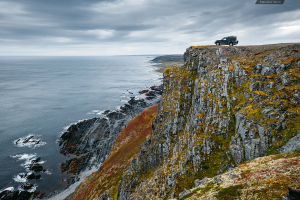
(21, 195)
(36, 167)
(27, 139)
(15, 195)
(116, 115)
(36, 160)
(143, 91)
(27, 186)
(106, 112)
(33, 176)
(150, 93)
(292, 194)
(94, 138)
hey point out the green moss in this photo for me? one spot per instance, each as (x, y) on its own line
(220, 137)
(230, 193)
(287, 155)
(205, 167)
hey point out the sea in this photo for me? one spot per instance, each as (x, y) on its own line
(43, 96)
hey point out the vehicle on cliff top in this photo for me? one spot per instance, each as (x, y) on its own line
(230, 40)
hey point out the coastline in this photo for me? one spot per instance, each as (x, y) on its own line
(152, 97)
(65, 193)
(116, 118)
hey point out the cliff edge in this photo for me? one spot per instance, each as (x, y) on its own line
(223, 107)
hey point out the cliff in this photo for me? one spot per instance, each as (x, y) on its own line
(89, 142)
(125, 149)
(223, 107)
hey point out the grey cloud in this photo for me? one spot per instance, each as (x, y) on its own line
(139, 23)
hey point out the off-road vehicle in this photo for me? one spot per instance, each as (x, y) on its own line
(230, 40)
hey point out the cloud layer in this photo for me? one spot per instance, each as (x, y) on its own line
(122, 27)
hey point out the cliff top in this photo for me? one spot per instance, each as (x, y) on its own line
(251, 48)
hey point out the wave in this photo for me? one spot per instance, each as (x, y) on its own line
(32, 189)
(8, 189)
(29, 141)
(20, 178)
(29, 159)
(93, 112)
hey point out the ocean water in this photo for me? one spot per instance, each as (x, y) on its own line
(42, 96)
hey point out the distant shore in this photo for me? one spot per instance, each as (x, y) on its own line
(167, 61)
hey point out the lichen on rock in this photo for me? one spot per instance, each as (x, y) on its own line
(223, 107)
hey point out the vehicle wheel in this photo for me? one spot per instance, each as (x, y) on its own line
(230, 44)
(218, 43)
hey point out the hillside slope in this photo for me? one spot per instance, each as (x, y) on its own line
(125, 149)
(225, 106)
(262, 178)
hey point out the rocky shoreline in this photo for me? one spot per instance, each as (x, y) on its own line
(87, 143)
(90, 141)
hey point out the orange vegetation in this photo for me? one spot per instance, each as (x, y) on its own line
(126, 147)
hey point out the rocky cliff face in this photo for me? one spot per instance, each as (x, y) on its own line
(104, 182)
(90, 141)
(225, 106)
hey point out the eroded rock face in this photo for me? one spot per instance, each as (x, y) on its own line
(223, 107)
(90, 141)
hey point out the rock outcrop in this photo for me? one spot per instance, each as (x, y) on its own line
(90, 141)
(223, 107)
(103, 184)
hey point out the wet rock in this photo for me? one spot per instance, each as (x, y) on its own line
(29, 141)
(150, 93)
(27, 186)
(33, 176)
(21, 195)
(15, 195)
(143, 91)
(36, 167)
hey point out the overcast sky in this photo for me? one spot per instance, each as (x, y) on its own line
(134, 27)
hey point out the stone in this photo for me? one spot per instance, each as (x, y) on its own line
(292, 145)
(200, 182)
(185, 192)
(292, 194)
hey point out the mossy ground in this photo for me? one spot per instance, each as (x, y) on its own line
(262, 178)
